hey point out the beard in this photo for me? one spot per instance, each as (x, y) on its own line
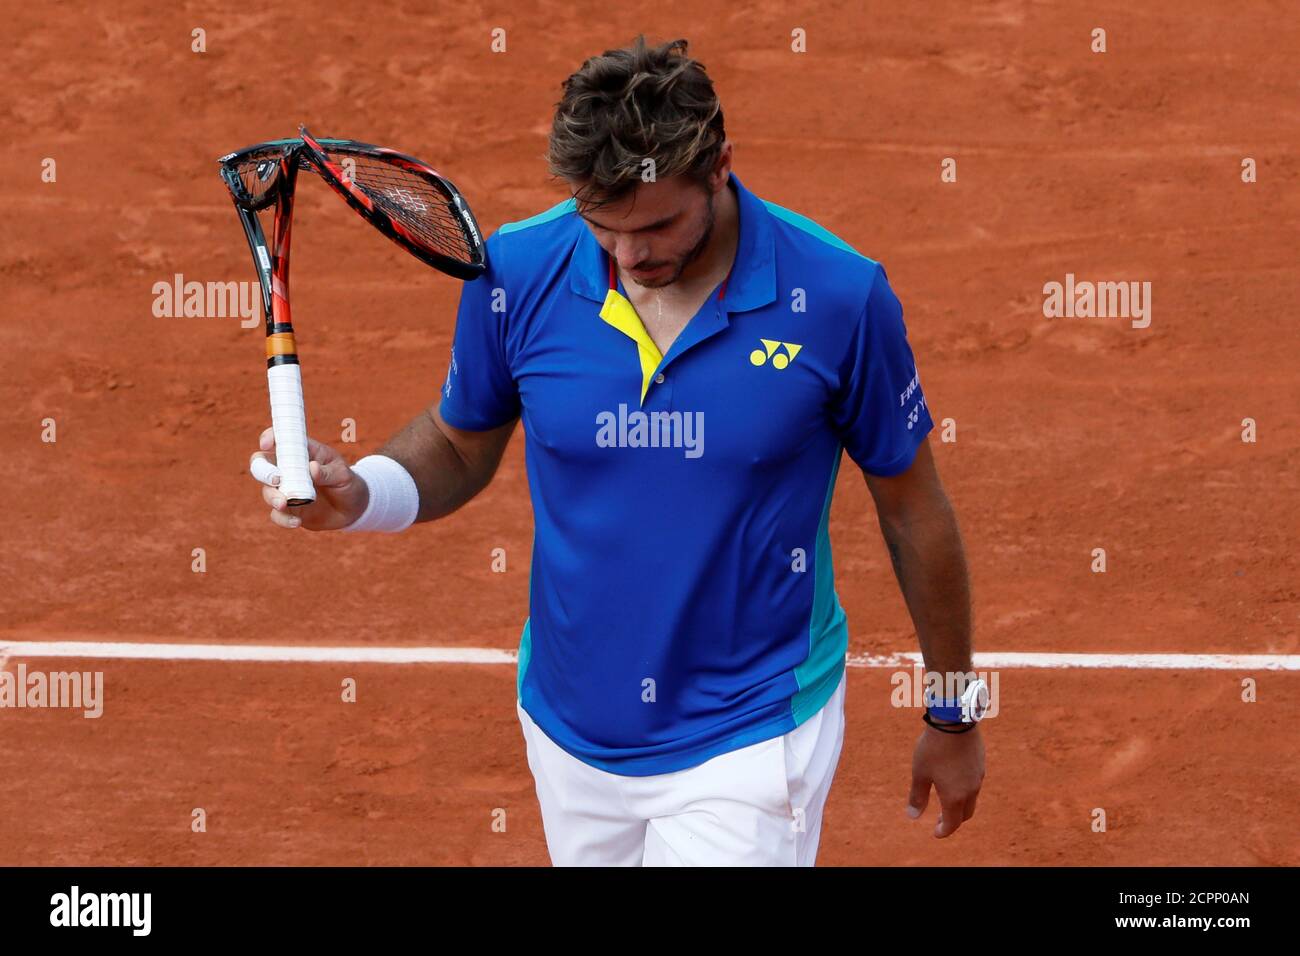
(679, 265)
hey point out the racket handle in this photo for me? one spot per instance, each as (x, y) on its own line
(289, 422)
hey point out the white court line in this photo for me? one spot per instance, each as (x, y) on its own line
(258, 652)
(993, 660)
(1012, 660)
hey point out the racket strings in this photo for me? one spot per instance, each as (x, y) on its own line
(258, 174)
(415, 202)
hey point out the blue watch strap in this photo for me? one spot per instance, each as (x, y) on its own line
(945, 711)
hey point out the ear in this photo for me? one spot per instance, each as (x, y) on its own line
(721, 174)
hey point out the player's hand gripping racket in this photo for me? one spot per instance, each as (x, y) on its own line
(402, 197)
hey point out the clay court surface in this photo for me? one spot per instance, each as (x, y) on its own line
(1072, 433)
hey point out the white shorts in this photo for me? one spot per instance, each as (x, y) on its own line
(760, 805)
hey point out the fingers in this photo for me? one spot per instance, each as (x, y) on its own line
(918, 797)
(951, 815)
(272, 494)
(329, 474)
(275, 498)
(316, 451)
(280, 513)
(327, 468)
(284, 520)
(263, 470)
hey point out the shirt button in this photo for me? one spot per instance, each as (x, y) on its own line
(659, 379)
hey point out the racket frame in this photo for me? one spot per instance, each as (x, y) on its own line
(284, 378)
(284, 375)
(332, 173)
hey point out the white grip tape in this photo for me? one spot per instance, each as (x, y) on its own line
(289, 421)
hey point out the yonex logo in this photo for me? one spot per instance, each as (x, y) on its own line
(780, 359)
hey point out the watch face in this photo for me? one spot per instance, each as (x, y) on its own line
(976, 699)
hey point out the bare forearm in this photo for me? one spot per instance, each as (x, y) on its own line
(926, 550)
(446, 479)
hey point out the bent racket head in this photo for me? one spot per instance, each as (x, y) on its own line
(255, 174)
(405, 199)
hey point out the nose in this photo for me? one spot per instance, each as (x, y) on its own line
(630, 252)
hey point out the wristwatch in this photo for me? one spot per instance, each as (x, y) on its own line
(970, 708)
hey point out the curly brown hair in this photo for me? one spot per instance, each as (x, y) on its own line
(629, 105)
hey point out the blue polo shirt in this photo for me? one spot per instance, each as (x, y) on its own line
(682, 600)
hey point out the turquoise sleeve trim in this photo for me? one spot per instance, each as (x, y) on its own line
(555, 212)
(812, 228)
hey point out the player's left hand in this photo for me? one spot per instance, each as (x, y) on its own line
(954, 765)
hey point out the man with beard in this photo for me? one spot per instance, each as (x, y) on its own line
(682, 669)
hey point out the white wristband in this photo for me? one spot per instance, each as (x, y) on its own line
(394, 498)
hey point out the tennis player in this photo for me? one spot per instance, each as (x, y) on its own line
(689, 362)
